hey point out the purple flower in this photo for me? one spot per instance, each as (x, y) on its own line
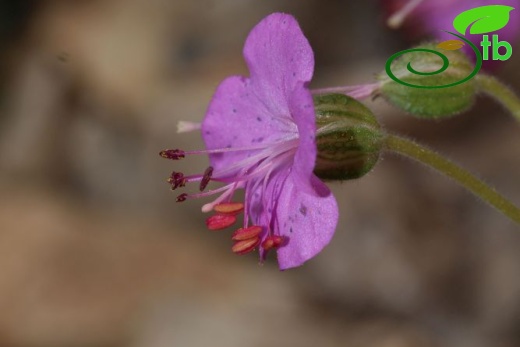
(260, 136)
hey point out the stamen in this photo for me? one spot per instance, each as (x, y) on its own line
(206, 178)
(229, 208)
(211, 192)
(272, 242)
(182, 197)
(228, 191)
(246, 233)
(266, 157)
(245, 173)
(359, 92)
(185, 127)
(245, 246)
(174, 177)
(220, 221)
(173, 154)
(177, 180)
(237, 149)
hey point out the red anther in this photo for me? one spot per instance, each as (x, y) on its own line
(247, 233)
(229, 208)
(176, 180)
(220, 221)
(182, 197)
(206, 178)
(277, 240)
(245, 246)
(173, 154)
(175, 176)
(272, 242)
(177, 185)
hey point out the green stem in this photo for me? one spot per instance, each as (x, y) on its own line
(500, 92)
(430, 158)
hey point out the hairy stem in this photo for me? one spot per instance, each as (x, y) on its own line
(428, 157)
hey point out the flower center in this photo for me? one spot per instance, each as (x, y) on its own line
(251, 174)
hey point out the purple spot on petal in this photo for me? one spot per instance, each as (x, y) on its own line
(303, 210)
(290, 230)
(234, 110)
(259, 119)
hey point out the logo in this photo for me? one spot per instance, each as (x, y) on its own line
(481, 20)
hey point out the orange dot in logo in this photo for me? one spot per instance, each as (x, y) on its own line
(451, 45)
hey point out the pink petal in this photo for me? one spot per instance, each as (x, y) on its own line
(307, 221)
(274, 104)
(278, 56)
(237, 118)
(301, 107)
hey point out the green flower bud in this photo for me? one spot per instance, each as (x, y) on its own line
(349, 138)
(431, 82)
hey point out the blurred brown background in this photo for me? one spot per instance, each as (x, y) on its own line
(94, 251)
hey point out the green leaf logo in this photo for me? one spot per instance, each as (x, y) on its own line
(483, 19)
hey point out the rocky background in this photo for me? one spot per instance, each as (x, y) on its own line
(94, 251)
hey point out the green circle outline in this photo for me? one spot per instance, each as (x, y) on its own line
(445, 65)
